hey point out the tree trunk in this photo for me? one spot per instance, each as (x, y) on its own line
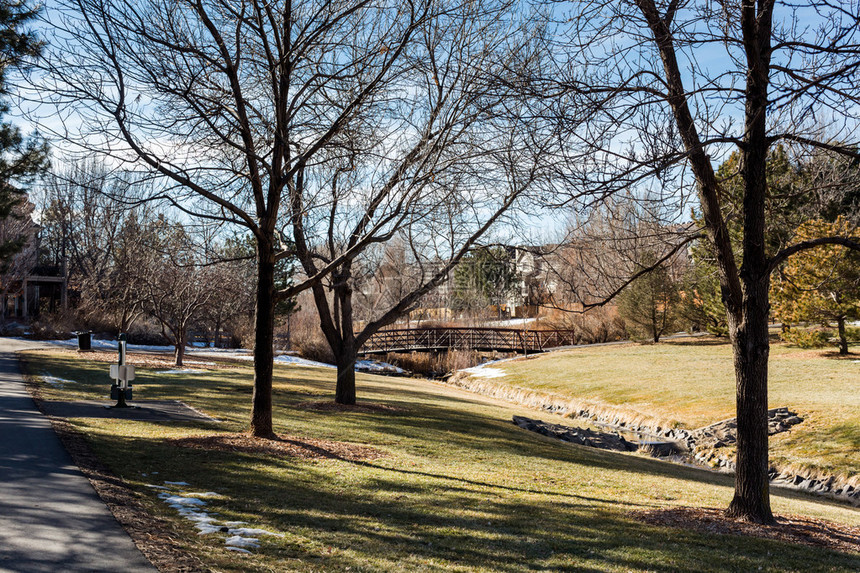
(748, 321)
(264, 326)
(179, 350)
(843, 340)
(751, 349)
(345, 388)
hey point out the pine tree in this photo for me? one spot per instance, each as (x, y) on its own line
(649, 305)
(21, 157)
(822, 284)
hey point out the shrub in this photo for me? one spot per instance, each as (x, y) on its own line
(54, 325)
(600, 324)
(817, 338)
(852, 333)
(440, 364)
(306, 336)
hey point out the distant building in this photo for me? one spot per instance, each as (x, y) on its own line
(27, 289)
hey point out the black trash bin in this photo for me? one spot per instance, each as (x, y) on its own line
(84, 340)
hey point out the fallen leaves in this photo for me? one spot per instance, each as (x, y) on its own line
(789, 528)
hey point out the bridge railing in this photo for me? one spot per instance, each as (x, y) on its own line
(486, 339)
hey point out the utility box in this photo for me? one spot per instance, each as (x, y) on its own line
(114, 392)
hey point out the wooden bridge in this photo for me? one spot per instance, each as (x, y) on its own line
(481, 339)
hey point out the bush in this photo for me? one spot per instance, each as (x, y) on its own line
(852, 333)
(440, 364)
(306, 336)
(600, 324)
(54, 326)
(817, 338)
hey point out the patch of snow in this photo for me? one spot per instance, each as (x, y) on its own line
(54, 381)
(180, 371)
(177, 501)
(207, 527)
(377, 367)
(298, 361)
(218, 351)
(484, 372)
(372, 366)
(248, 532)
(113, 344)
(188, 505)
(239, 541)
(238, 550)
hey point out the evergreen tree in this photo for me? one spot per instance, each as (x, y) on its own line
(20, 158)
(823, 187)
(822, 284)
(485, 277)
(649, 305)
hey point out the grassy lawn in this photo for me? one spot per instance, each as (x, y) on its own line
(460, 487)
(691, 382)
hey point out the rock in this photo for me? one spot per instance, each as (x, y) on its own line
(659, 449)
(582, 436)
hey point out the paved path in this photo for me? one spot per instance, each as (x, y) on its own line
(51, 519)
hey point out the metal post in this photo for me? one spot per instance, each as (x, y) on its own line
(120, 385)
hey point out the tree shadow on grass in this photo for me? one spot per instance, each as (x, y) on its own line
(365, 516)
(705, 341)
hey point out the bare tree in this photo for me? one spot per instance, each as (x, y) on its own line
(387, 274)
(177, 287)
(270, 115)
(90, 227)
(664, 111)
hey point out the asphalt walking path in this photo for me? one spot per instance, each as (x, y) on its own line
(51, 519)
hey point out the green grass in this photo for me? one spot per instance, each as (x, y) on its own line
(461, 488)
(692, 383)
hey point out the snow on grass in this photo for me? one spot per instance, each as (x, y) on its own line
(299, 361)
(179, 502)
(239, 541)
(371, 366)
(249, 531)
(484, 372)
(190, 505)
(377, 367)
(180, 371)
(54, 381)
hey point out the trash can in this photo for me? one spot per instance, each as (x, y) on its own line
(84, 340)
